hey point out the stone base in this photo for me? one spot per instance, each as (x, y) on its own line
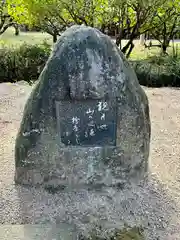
(84, 167)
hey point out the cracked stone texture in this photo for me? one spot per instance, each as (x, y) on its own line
(84, 64)
(154, 205)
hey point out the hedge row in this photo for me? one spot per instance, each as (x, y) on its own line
(27, 61)
(158, 71)
(23, 63)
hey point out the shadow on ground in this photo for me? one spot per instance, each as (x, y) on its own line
(147, 206)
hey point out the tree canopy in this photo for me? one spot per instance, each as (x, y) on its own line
(130, 18)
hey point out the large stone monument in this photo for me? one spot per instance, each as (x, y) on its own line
(86, 122)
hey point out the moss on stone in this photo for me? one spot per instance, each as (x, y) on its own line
(134, 233)
(127, 233)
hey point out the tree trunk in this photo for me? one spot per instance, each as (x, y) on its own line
(103, 28)
(16, 27)
(54, 38)
(130, 50)
(164, 48)
(165, 45)
(118, 41)
(127, 49)
(119, 38)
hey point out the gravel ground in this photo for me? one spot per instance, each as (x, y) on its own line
(155, 206)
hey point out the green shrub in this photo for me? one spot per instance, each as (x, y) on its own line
(23, 63)
(27, 61)
(158, 71)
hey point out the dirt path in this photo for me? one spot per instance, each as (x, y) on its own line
(158, 202)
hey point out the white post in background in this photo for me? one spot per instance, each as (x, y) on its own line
(142, 39)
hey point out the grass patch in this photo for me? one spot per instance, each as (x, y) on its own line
(31, 38)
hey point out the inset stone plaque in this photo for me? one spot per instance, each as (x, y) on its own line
(87, 123)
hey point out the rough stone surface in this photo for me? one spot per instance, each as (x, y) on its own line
(84, 64)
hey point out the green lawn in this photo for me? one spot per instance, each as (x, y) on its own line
(9, 38)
